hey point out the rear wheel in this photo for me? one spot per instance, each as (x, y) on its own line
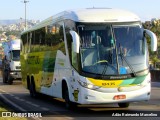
(32, 90)
(123, 105)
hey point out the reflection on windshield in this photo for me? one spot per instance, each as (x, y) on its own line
(99, 44)
(130, 39)
(16, 55)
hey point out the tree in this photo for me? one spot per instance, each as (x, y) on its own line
(154, 26)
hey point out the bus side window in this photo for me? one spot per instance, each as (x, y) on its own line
(35, 43)
(69, 25)
(69, 45)
(25, 42)
(59, 37)
(42, 39)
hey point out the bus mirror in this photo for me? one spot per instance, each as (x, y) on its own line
(76, 41)
(153, 40)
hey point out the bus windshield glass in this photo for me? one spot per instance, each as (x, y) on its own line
(112, 49)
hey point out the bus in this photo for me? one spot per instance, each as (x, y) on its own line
(88, 56)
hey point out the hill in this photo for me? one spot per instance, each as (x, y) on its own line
(8, 22)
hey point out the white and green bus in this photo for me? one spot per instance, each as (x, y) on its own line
(88, 56)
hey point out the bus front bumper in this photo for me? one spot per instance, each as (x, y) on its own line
(94, 97)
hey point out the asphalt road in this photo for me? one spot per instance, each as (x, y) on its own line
(17, 97)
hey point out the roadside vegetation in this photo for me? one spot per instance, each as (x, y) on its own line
(154, 26)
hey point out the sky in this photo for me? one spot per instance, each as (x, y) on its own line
(42, 9)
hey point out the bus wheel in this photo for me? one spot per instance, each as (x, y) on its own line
(69, 105)
(123, 105)
(32, 90)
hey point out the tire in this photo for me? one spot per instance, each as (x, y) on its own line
(32, 90)
(10, 81)
(123, 105)
(4, 77)
(68, 104)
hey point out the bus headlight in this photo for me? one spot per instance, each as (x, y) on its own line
(87, 85)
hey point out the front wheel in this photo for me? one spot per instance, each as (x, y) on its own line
(68, 103)
(123, 105)
(9, 78)
(4, 77)
(10, 81)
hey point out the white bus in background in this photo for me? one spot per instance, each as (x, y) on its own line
(88, 56)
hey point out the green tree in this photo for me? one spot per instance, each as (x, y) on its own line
(154, 26)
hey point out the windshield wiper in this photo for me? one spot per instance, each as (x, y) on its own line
(105, 68)
(113, 44)
(123, 58)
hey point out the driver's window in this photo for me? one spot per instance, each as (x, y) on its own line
(74, 59)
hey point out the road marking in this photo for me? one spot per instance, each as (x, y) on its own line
(32, 104)
(16, 97)
(43, 108)
(23, 110)
(13, 104)
(28, 102)
(21, 99)
(11, 95)
(10, 102)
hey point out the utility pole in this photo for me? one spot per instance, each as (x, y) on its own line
(25, 2)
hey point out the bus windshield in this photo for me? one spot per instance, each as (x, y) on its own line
(112, 49)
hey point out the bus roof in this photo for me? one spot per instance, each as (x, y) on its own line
(90, 15)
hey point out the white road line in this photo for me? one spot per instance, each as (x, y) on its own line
(28, 102)
(21, 99)
(10, 102)
(15, 105)
(11, 94)
(16, 97)
(32, 104)
(35, 105)
(43, 108)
